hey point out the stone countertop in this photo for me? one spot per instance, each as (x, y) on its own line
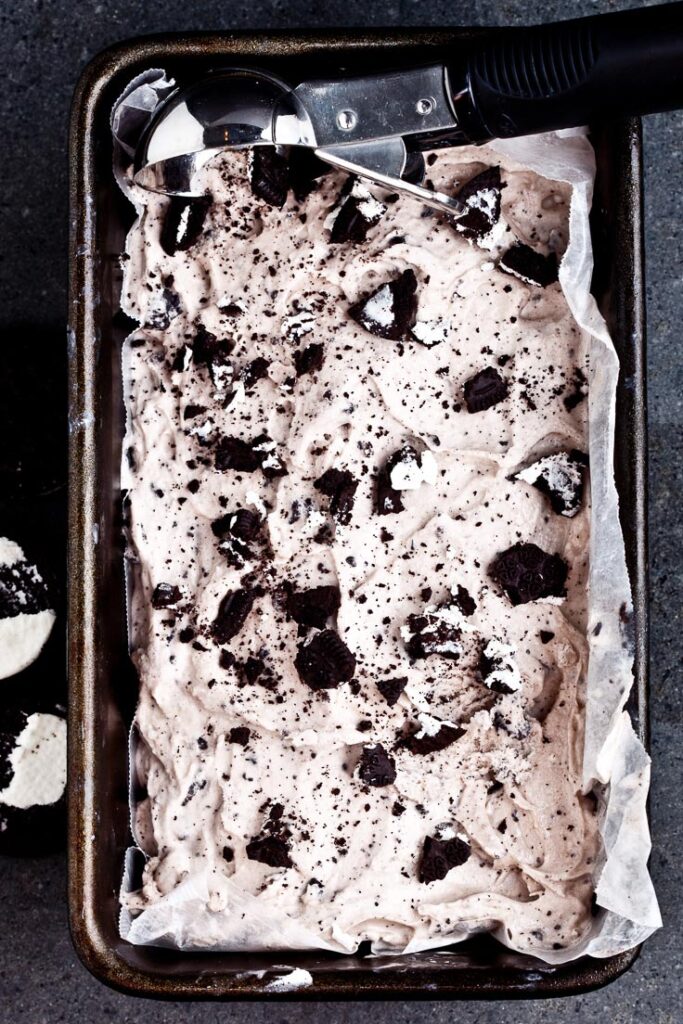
(44, 44)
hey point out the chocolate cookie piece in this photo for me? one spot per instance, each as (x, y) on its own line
(527, 573)
(249, 456)
(481, 197)
(387, 498)
(212, 352)
(165, 595)
(234, 453)
(357, 212)
(183, 223)
(464, 601)
(305, 170)
(498, 668)
(272, 465)
(579, 390)
(560, 478)
(313, 607)
(425, 742)
(269, 175)
(162, 309)
(391, 310)
(309, 360)
(439, 856)
(325, 661)
(232, 614)
(433, 632)
(340, 486)
(239, 734)
(270, 850)
(391, 689)
(376, 766)
(242, 523)
(530, 266)
(486, 389)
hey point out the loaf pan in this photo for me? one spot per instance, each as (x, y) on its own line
(103, 687)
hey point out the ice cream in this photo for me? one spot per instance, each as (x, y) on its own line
(358, 530)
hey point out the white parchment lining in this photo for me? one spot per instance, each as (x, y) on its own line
(615, 763)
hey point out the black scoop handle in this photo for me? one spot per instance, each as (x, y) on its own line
(571, 73)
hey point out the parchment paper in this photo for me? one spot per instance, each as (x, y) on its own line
(616, 767)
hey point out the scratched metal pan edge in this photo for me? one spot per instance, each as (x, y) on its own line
(102, 682)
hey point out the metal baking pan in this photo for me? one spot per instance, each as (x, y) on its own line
(102, 682)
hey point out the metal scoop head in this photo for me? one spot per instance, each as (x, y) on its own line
(236, 108)
(228, 109)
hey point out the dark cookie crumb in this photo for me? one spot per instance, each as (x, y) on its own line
(165, 595)
(309, 360)
(270, 850)
(340, 486)
(183, 223)
(484, 390)
(240, 734)
(391, 310)
(376, 766)
(481, 196)
(391, 689)
(325, 661)
(430, 744)
(441, 856)
(313, 607)
(527, 573)
(232, 614)
(530, 266)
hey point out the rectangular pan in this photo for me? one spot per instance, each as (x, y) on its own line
(102, 682)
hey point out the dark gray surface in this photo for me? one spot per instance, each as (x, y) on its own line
(43, 45)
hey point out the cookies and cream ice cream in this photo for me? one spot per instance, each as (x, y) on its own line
(358, 518)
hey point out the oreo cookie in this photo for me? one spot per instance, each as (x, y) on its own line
(376, 767)
(357, 211)
(270, 850)
(498, 668)
(312, 607)
(269, 175)
(183, 223)
(439, 856)
(340, 486)
(325, 661)
(309, 359)
(560, 478)
(26, 615)
(32, 781)
(530, 266)
(481, 198)
(486, 389)
(240, 735)
(391, 689)
(431, 737)
(305, 170)
(165, 595)
(233, 612)
(249, 456)
(435, 631)
(463, 601)
(162, 309)
(390, 311)
(387, 499)
(527, 573)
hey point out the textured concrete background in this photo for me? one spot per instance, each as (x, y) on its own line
(43, 45)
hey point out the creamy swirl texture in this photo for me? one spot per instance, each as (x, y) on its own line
(358, 621)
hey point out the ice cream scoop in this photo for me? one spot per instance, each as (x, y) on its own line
(521, 82)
